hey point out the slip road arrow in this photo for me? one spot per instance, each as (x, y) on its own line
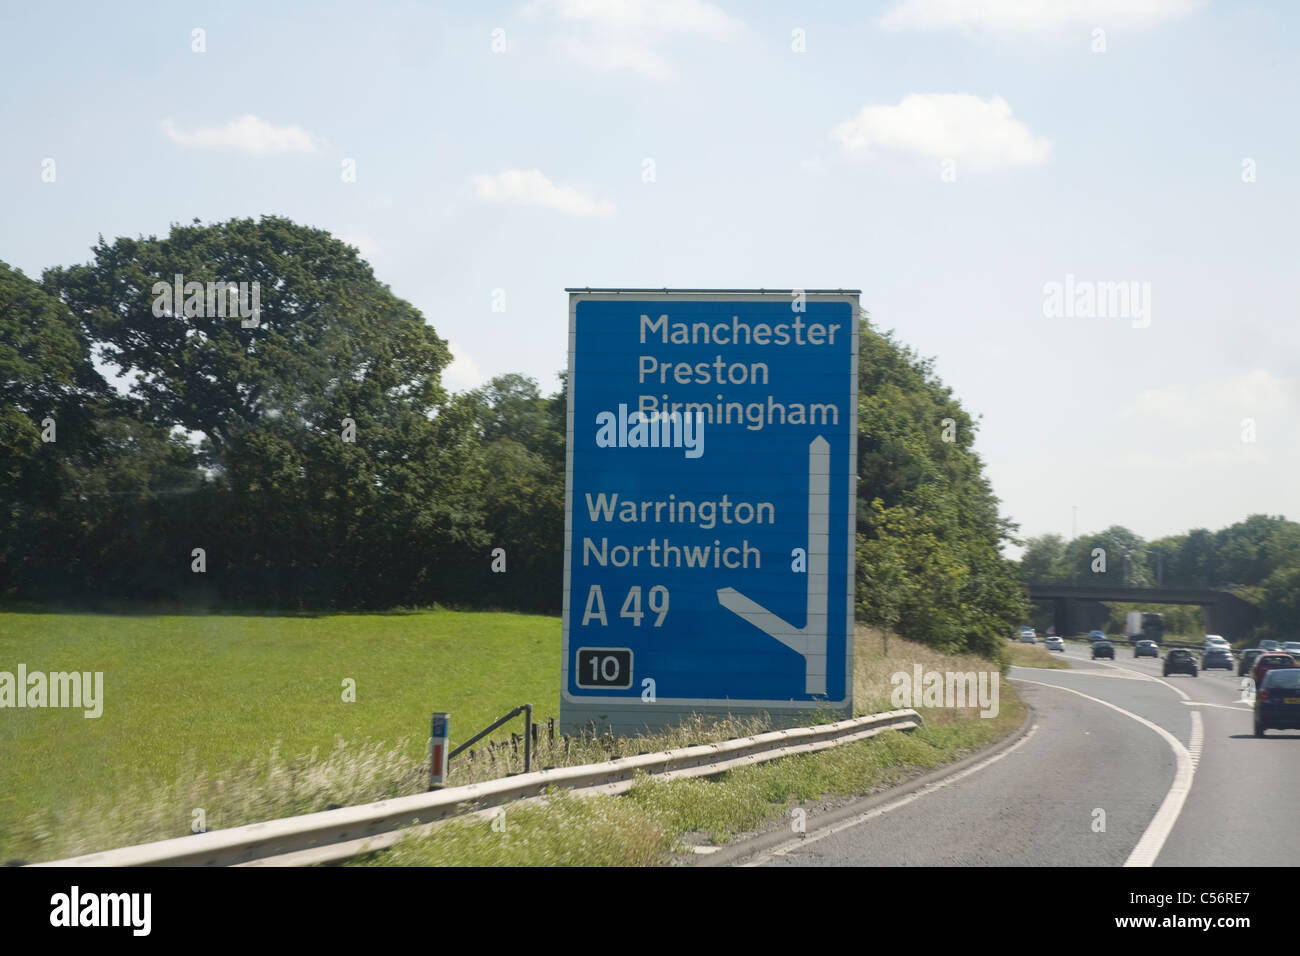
(809, 640)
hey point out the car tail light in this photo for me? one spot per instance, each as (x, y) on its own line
(1263, 695)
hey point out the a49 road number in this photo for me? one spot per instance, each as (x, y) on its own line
(656, 601)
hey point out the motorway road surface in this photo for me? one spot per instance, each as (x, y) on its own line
(1172, 762)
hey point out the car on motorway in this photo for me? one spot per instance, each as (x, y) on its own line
(1054, 643)
(1270, 645)
(1180, 660)
(1096, 635)
(1027, 636)
(1246, 660)
(1214, 640)
(1103, 649)
(1146, 649)
(1216, 657)
(1277, 701)
(1270, 660)
(1292, 648)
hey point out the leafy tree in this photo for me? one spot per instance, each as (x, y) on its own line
(1044, 559)
(337, 482)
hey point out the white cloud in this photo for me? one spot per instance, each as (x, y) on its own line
(1219, 406)
(977, 134)
(248, 134)
(627, 34)
(1034, 16)
(529, 187)
(462, 374)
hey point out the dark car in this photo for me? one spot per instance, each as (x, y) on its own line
(1277, 701)
(1267, 662)
(1180, 661)
(1096, 635)
(1216, 657)
(1247, 660)
(1146, 649)
(1103, 649)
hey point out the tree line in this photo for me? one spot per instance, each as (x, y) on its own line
(310, 458)
(1258, 559)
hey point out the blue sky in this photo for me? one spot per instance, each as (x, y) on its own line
(950, 159)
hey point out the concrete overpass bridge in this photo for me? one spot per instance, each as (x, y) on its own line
(1081, 607)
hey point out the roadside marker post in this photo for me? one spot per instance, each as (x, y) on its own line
(438, 734)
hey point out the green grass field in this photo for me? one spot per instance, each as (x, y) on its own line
(195, 698)
(243, 718)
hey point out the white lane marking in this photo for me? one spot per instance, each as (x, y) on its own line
(1206, 703)
(1181, 693)
(796, 844)
(1157, 831)
(1177, 690)
(1196, 740)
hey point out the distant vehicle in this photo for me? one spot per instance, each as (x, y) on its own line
(1247, 660)
(1103, 649)
(1027, 637)
(1054, 643)
(1268, 661)
(1292, 648)
(1096, 635)
(1180, 661)
(1270, 645)
(1217, 657)
(1143, 624)
(1214, 640)
(1277, 701)
(1146, 649)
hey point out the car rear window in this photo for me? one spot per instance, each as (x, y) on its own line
(1286, 677)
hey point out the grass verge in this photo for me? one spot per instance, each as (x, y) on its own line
(1035, 655)
(657, 817)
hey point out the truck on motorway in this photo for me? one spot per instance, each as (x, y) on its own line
(1144, 626)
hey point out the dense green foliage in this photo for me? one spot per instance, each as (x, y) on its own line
(317, 461)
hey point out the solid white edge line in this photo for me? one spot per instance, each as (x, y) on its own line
(1158, 830)
(799, 842)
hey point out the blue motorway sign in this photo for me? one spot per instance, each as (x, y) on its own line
(709, 532)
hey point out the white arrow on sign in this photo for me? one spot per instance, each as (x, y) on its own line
(809, 640)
